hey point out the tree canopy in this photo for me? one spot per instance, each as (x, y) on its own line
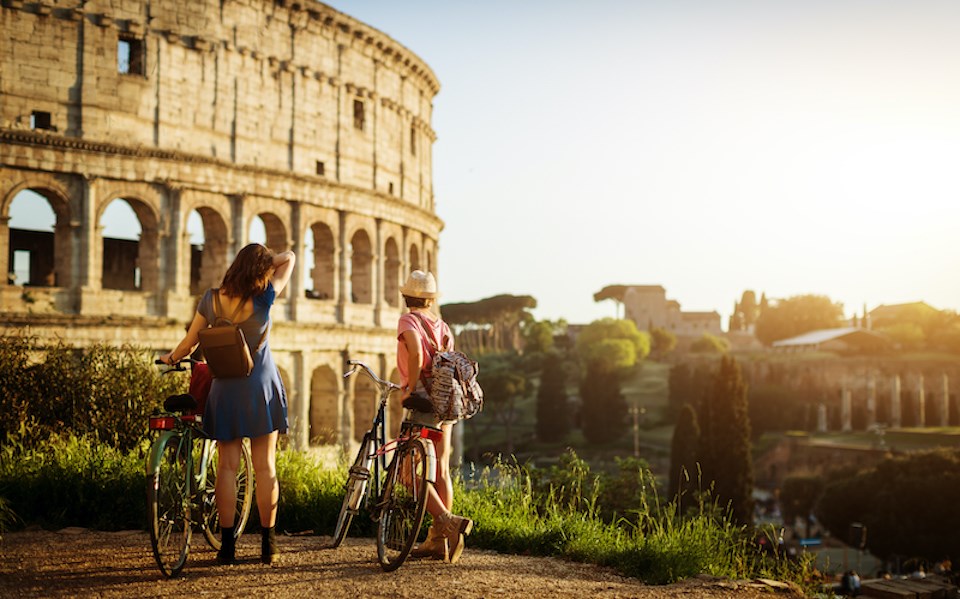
(797, 315)
(611, 344)
(491, 324)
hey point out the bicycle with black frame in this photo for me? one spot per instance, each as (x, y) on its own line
(181, 475)
(394, 494)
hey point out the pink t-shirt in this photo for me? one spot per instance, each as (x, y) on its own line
(409, 322)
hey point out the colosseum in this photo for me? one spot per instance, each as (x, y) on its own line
(210, 124)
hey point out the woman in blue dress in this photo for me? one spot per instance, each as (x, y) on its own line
(254, 406)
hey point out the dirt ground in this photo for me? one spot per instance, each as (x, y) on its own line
(84, 563)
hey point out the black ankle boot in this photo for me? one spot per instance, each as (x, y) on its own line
(269, 554)
(228, 546)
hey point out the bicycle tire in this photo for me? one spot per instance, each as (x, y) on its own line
(245, 492)
(354, 492)
(168, 504)
(402, 505)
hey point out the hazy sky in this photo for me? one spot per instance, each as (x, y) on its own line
(709, 147)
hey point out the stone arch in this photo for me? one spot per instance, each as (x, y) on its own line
(50, 256)
(364, 406)
(208, 262)
(324, 403)
(414, 259)
(361, 268)
(120, 260)
(391, 274)
(324, 272)
(276, 232)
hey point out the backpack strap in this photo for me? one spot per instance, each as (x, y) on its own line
(431, 338)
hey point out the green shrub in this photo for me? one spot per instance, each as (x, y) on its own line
(103, 392)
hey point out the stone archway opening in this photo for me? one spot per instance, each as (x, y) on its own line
(414, 258)
(321, 262)
(130, 246)
(364, 406)
(39, 245)
(207, 233)
(266, 228)
(361, 268)
(324, 394)
(391, 274)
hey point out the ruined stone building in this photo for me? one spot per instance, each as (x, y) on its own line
(648, 307)
(226, 113)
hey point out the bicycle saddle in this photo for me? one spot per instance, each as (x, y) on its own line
(180, 403)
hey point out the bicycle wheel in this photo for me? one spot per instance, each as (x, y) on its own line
(402, 505)
(211, 517)
(168, 504)
(354, 492)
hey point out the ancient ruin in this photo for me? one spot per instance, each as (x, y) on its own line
(224, 113)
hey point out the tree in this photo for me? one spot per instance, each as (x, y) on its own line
(662, 341)
(503, 382)
(797, 315)
(709, 344)
(538, 335)
(491, 324)
(683, 456)
(612, 344)
(553, 413)
(612, 292)
(745, 312)
(724, 452)
(603, 416)
(908, 504)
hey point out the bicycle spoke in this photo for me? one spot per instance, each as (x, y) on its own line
(403, 505)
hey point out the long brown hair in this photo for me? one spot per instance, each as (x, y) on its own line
(250, 272)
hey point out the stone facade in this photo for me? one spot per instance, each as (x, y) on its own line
(648, 307)
(234, 109)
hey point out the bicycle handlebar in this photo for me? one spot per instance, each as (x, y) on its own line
(178, 366)
(381, 384)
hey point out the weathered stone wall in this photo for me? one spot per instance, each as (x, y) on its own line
(236, 109)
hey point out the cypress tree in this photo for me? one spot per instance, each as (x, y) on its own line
(683, 456)
(725, 442)
(603, 415)
(553, 418)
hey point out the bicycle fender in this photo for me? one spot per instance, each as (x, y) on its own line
(431, 452)
(156, 451)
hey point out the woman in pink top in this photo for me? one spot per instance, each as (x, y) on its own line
(415, 332)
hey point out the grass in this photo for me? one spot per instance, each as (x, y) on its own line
(78, 482)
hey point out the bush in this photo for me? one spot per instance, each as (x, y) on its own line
(102, 392)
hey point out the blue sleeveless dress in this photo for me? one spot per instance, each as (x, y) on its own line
(250, 406)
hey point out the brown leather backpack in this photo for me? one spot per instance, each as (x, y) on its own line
(224, 346)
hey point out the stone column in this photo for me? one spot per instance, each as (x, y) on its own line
(239, 232)
(379, 275)
(871, 400)
(921, 406)
(821, 418)
(343, 292)
(5, 252)
(945, 401)
(298, 245)
(846, 421)
(895, 402)
(299, 402)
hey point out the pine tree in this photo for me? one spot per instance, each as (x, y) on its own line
(604, 413)
(683, 456)
(553, 418)
(724, 452)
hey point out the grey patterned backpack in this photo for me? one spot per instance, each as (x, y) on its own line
(454, 391)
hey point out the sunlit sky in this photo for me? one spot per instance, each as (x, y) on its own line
(709, 147)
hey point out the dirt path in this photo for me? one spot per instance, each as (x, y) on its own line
(85, 563)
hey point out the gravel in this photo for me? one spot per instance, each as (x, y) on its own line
(85, 563)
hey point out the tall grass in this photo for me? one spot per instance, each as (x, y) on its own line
(76, 481)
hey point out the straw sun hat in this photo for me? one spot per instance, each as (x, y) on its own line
(420, 284)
